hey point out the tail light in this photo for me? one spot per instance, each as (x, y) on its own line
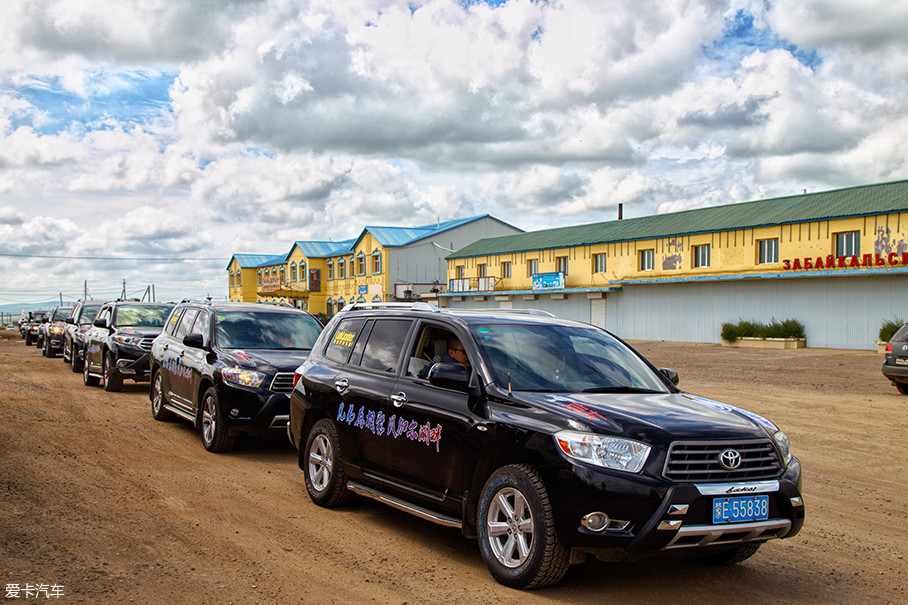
(296, 377)
(889, 347)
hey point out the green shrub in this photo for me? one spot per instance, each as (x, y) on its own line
(790, 328)
(889, 328)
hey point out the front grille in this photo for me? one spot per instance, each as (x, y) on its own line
(699, 461)
(282, 383)
(145, 344)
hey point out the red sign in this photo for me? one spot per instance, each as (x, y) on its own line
(841, 262)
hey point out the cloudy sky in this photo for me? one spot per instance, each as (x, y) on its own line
(149, 140)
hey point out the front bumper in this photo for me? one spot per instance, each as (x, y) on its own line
(649, 514)
(132, 362)
(254, 410)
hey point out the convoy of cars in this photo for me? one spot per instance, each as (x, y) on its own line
(546, 440)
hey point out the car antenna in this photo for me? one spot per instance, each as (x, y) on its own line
(509, 384)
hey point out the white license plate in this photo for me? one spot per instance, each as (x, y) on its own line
(740, 509)
(901, 361)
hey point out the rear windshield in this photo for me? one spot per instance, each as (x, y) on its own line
(141, 317)
(902, 334)
(266, 330)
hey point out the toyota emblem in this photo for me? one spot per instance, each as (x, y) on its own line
(730, 459)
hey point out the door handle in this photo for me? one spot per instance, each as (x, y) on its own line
(341, 385)
(399, 398)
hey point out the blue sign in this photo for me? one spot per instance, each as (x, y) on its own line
(363, 290)
(548, 281)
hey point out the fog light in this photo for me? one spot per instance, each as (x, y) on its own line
(595, 521)
(234, 412)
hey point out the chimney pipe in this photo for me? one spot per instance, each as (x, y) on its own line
(620, 211)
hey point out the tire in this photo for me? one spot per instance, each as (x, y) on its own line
(48, 350)
(733, 555)
(215, 435)
(28, 340)
(323, 466)
(87, 379)
(156, 394)
(75, 361)
(112, 379)
(902, 388)
(516, 528)
(44, 348)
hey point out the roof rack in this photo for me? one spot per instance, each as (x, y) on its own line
(204, 301)
(416, 306)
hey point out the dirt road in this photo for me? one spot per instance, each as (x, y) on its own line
(100, 499)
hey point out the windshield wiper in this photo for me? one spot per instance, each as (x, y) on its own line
(619, 389)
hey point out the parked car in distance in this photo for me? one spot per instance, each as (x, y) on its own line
(895, 362)
(118, 343)
(228, 367)
(33, 327)
(548, 440)
(75, 327)
(52, 331)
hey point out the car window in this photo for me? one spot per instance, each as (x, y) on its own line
(536, 357)
(200, 326)
(429, 348)
(88, 314)
(386, 340)
(185, 323)
(145, 317)
(62, 313)
(266, 330)
(341, 343)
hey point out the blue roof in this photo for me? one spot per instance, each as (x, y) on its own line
(251, 261)
(322, 249)
(390, 237)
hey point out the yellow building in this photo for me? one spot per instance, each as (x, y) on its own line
(382, 264)
(836, 261)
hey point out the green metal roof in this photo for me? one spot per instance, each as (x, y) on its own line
(865, 200)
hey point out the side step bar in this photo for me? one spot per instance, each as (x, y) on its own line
(407, 507)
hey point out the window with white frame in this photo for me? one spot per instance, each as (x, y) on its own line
(459, 271)
(532, 267)
(260, 276)
(341, 269)
(330, 269)
(238, 279)
(506, 270)
(292, 271)
(481, 270)
(767, 251)
(360, 263)
(561, 264)
(599, 263)
(376, 262)
(647, 260)
(701, 256)
(848, 243)
(231, 279)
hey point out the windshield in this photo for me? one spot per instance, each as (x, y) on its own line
(266, 330)
(555, 358)
(61, 313)
(89, 313)
(141, 317)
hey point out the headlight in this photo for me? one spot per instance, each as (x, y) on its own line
(57, 330)
(240, 376)
(127, 340)
(602, 450)
(783, 445)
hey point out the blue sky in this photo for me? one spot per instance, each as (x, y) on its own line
(186, 132)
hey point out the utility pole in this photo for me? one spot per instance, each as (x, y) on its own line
(123, 294)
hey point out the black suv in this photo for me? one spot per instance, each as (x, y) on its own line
(33, 327)
(117, 344)
(895, 363)
(52, 331)
(76, 325)
(547, 439)
(228, 367)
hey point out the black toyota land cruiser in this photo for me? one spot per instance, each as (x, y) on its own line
(228, 367)
(117, 345)
(547, 439)
(75, 328)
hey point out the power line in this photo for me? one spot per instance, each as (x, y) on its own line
(219, 258)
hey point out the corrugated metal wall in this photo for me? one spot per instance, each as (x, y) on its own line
(837, 313)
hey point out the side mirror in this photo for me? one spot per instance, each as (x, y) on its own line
(450, 376)
(670, 374)
(194, 340)
(69, 320)
(99, 323)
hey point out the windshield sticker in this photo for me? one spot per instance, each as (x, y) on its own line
(374, 422)
(724, 407)
(343, 338)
